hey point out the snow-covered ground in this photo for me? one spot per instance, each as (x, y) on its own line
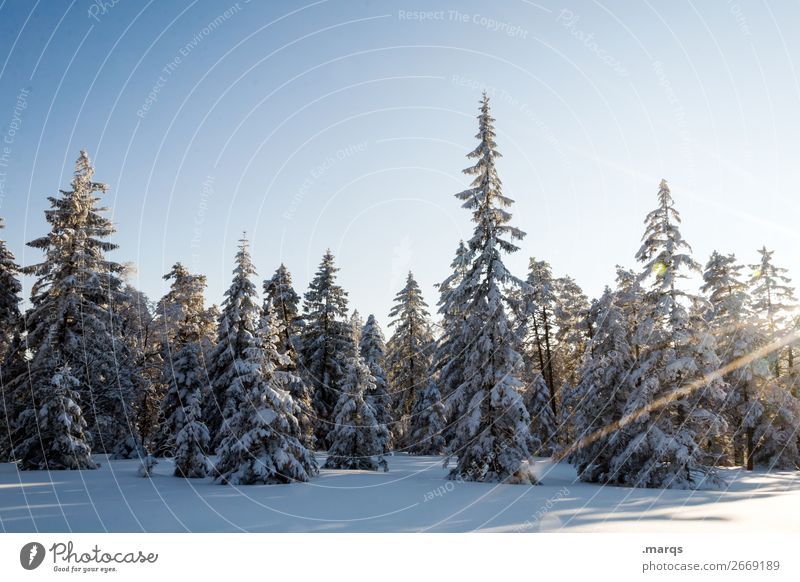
(413, 496)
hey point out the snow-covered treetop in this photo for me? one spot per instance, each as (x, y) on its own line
(666, 256)
(324, 296)
(485, 196)
(772, 294)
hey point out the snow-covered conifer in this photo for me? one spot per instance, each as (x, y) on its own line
(358, 440)
(773, 299)
(426, 425)
(53, 428)
(541, 304)
(373, 350)
(326, 342)
(663, 446)
(491, 436)
(71, 313)
(192, 441)
(408, 356)
(279, 291)
(543, 423)
(261, 442)
(604, 386)
(10, 288)
(239, 321)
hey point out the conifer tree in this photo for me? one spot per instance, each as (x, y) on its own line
(448, 357)
(10, 288)
(356, 324)
(373, 350)
(543, 423)
(358, 440)
(70, 322)
(53, 428)
(571, 338)
(279, 291)
(326, 342)
(663, 448)
(408, 355)
(773, 299)
(605, 384)
(185, 376)
(732, 323)
(287, 377)
(192, 441)
(541, 306)
(238, 325)
(491, 437)
(427, 422)
(261, 443)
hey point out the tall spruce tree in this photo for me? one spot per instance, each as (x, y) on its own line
(663, 447)
(10, 288)
(491, 436)
(185, 375)
(373, 350)
(731, 322)
(773, 300)
(448, 357)
(408, 355)
(287, 376)
(261, 442)
(279, 291)
(541, 305)
(238, 325)
(326, 342)
(605, 384)
(358, 440)
(70, 322)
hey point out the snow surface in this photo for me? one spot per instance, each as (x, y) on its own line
(413, 496)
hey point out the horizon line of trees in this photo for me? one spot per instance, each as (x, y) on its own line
(652, 384)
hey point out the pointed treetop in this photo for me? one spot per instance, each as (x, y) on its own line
(82, 178)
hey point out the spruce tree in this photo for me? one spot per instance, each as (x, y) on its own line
(287, 377)
(426, 426)
(185, 376)
(326, 342)
(664, 447)
(281, 303)
(491, 438)
(541, 305)
(731, 322)
(261, 444)
(71, 322)
(373, 350)
(543, 423)
(236, 334)
(408, 355)
(571, 338)
(773, 300)
(358, 440)
(279, 291)
(192, 441)
(605, 384)
(10, 288)
(448, 357)
(53, 428)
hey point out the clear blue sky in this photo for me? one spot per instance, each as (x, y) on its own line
(345, 125)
